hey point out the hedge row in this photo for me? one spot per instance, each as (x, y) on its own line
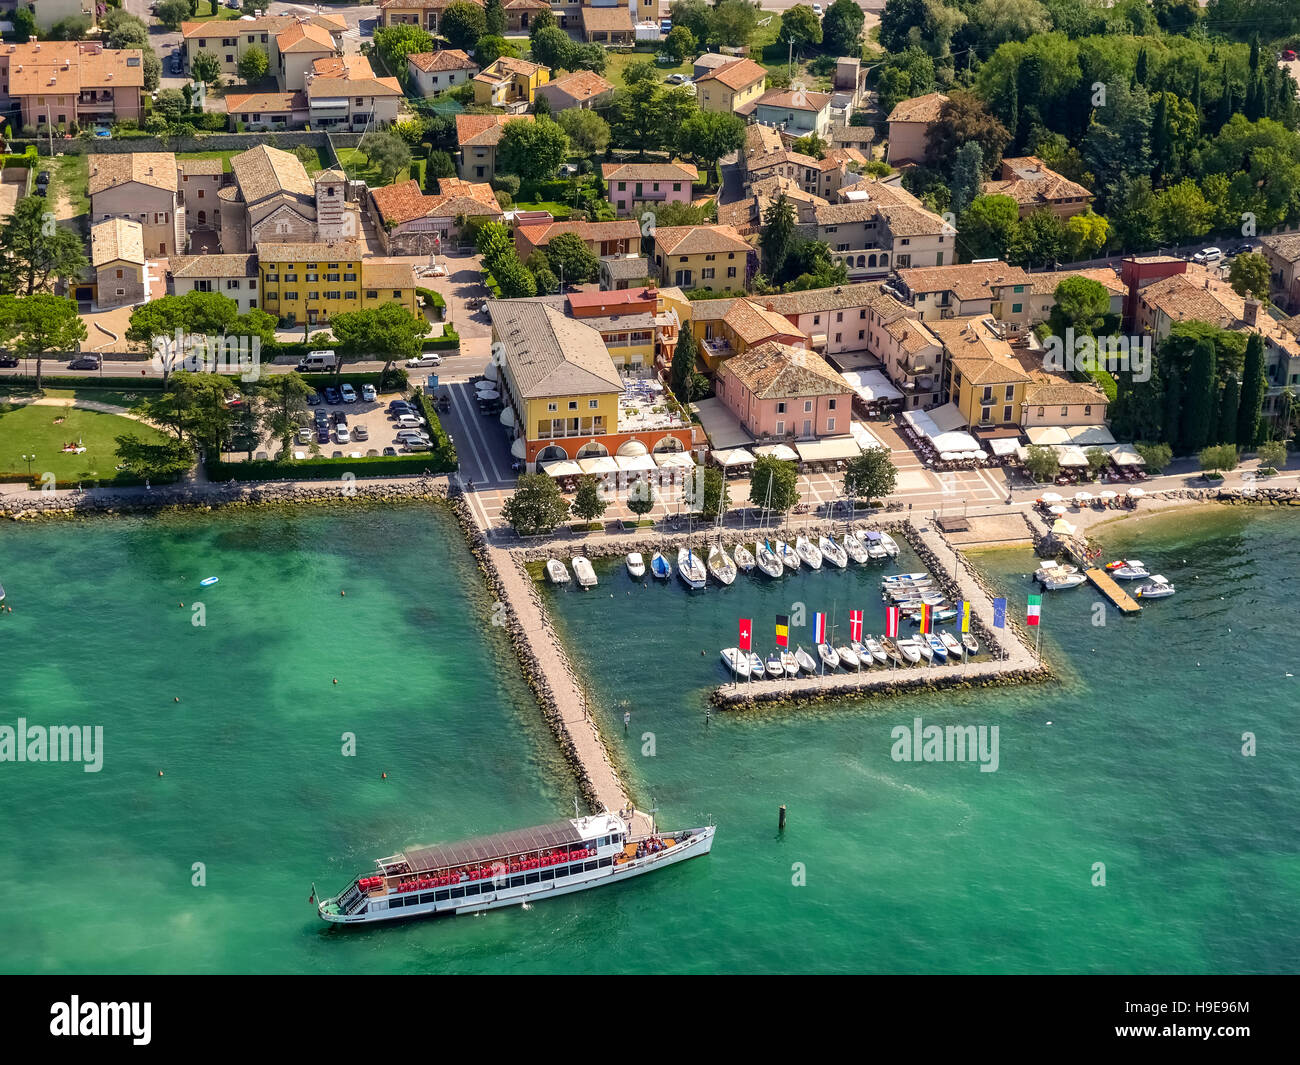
(444, 451)
(397, 381)
(323, 469)
(121, 480)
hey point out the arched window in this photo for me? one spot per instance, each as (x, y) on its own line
(871, 260)
(553, 453)
(592, 450)
(668, 444)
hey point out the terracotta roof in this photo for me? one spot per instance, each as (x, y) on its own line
(44, 67)
(1032, 181)
(405, 202)
(761, 139)
(262, 171)
(677, 171)
(981, 355)
(214, 266)
(266, 24)
(778, 371)
(484, 130)
(1045, 284)
(1182, 299)
(157, 169)
(343, 66)
(303, 37)
(319, 252)
(691, 240)
(116, 239)
(1286, 247)
(740, 74)
(919, 109)
(376, 274)
(326, 86)
(754, 323)
(969, 281)
(197, 167)
(627, 267)
(1057, 392)
(506, 66)
(794, 99)
(540, 234)
(265, 101)
(813, 300)
(550, 354)
(580, 85)
(911, 335)
(446, 59)
(606, 19)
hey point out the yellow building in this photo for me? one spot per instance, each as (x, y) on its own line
(310, 283)
(712, 257)
(508, 81)
(982, 376)
(732, 87)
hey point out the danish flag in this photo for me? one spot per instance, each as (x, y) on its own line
(855, 626)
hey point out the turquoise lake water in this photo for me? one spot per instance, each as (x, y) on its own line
(906, 867)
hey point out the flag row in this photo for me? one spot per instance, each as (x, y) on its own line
(893, 618)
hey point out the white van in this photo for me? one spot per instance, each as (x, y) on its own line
(318, 360)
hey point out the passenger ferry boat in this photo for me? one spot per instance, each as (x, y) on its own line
(509, 869)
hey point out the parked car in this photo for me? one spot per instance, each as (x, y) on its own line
(348, 393)
(85, 362)
(394, 404)
(405, 408)
(817, 10)
(332, 396)
(8, 360)
(304, 435)
(320, 417)
(410, 434)
(368, 393)
(360, 433)
(1208, 255)
(313, 399)
(322, 434)
(678, 79)
(342, 435)
(429, 358)
(1288, 55)
(417, 445)
(1243, 249)
(409, 421)
(177, 64)
(339, 418)
(390, 451)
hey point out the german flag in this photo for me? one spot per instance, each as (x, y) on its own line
(783, 630)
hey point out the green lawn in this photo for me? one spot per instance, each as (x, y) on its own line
(35, 430)
(358, 168)
(321, 162)
(559, 211)
(69, 174)
(619, 62)
(212, 9)
(110, 396)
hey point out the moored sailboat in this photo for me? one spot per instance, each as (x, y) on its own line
(854, 547)
(767, 560)
(743, 558)
(808, 553)
(690, 568)
(833, 552)
(720, 565)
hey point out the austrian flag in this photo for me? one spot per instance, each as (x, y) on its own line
(1035, 610)
(746, 627)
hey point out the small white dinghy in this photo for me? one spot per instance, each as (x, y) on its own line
(692, 571)
(865, 660)
(833, 552)
(721, 566)
(743, 558)
(1158, 588)
(756, 666)
(847, 658)
(736, 660)
(877, 652)
(767, 560)
(775, 669)
(786, 554)
(808, 553)
(556, 571)
(829, 655)
(923, 647)
(971, 644)
(583, 571)
(855, 548)
(789, 663)
(954, 649)
(636, 565)
(806, 661)
(889, 544)
(909, 648)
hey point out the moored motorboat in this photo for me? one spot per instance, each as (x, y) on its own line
(767, 560)
(756, 665)
(936, 645)
(889, 544)
(690, 568)
(909, 649)
(951, 645)
(736, 660)
(828, 654)
(1055, 568)
(923, 648)
(1128, 569)
(583, 571)
(774, 667)
(1059, 578)
(876, 650)
(904, 578)
(833, 552)
(847, 658)
(660, 566)
(1157, 588)
(636, 565)
(854, 547)
(786, 554)
(943, 614)
(808, 553)
(875, 547)
(789, 663)
(971, 644)
(743, 558)
(721, 566)
(893, 651)
(556, 571)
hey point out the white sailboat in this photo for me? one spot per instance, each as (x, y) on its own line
(833, 552)
(828, 654)
(808, 553)
(636, 565)
(786, 554)
(743, 558)
(690, 568)
(767, 560)
(582, 569)
(660, 567)
(556, 571)
(855, 548)
(720, 565)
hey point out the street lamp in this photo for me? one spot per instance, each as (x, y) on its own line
(29, 459)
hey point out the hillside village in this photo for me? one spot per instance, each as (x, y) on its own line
(623, 240)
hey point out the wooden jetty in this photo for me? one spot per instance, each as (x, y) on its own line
(1105, 584)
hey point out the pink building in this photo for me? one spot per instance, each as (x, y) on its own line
(633, 183)
(778, 391)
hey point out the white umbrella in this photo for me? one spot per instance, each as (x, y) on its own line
(519, 448)
(1108, 494)
(1136, 492)
(1083, 497)
(1058, 509)
(489, 395)
(485, 386)
(490, 371)
(508, 416)
(1051, 497)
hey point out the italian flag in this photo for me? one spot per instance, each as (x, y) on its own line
(1035, 610)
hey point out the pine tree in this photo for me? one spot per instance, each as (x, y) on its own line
(1253, 387)
(1228, 410)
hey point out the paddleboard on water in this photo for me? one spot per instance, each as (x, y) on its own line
(207, 581)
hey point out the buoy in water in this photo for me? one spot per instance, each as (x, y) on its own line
(384, 775)
(342, 592)
(336, 680)
(160, 772)
(176, 698)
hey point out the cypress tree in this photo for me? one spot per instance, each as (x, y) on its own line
(1160, 135)
(1228, 409)
(1225, 101)
(1196, 94)
(683, 367)
(1140, 73)
(1199, 422)
(1254, 53)
(1253, 387)
(1173, 433)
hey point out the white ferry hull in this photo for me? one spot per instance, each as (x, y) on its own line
(700, 843)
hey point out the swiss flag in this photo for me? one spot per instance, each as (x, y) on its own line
(746, 627)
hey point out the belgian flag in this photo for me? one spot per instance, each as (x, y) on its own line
(783, 630)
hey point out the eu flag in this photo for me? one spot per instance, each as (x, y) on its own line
(999, 613)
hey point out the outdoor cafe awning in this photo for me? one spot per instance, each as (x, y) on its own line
(1004, 445)
(598, 465)
(1070, 456)
(674, 459)
(1046, 435)
(838, 447)
(632, 463)
(738, 457)
(871, 385)
(561, 468)
(784, 452)
(1126, 455)
(947, 418)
